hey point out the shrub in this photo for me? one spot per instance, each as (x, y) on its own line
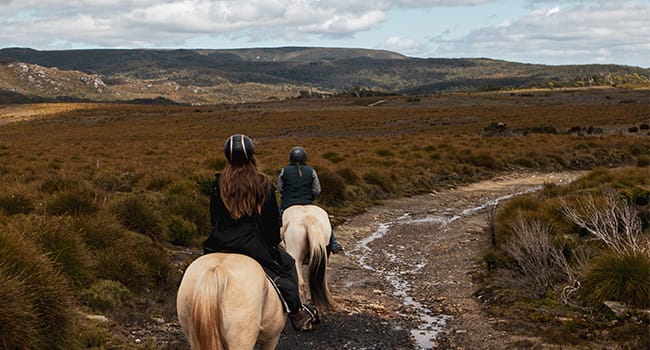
(537, 260)
(157, 181)
(75, 202)
(333, 157)
(58, 183)
(349, 176)
(16, 204)
(18, 316)
(495, 259)
(216, 164)
(135, 262)
(35, 310)
(195, 210)
(373, 177)
(619, 278)
(643, 161)
(139, 213)
(520, 207)
(180, 231)
(384, 153)
(333, 188)
(123, 182)
(63, 243)
(106, 295)
(100, 232)
(483, 160)
(205, 185)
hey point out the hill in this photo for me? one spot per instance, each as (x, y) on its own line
(254, 74)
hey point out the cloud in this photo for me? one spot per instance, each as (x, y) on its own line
(403, 45)
(156, 22)
(605, 31)
(575, 31)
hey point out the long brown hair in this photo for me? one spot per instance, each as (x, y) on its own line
(243, 188)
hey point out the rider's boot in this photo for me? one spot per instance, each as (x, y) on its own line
(334, 246)
(301, 319)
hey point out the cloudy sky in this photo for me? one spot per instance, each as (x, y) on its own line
(531, 31)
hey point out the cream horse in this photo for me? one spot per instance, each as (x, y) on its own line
(306, 231)
(226, 301)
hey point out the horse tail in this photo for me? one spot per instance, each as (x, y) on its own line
(320, 293)
(206, 315)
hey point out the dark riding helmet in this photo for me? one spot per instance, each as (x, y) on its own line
(239, 149)
(298, 154)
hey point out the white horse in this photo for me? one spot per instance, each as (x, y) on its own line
(226, 301)
(306, 231)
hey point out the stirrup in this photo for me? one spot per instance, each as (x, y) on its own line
(313, 313)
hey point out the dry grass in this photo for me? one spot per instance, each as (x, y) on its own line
(92, 162)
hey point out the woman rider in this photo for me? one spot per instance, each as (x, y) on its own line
(244, 215)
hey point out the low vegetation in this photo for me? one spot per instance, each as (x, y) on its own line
(572, 263)
(96, 199)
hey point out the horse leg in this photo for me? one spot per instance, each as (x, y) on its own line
(270, 344)
(305, 295)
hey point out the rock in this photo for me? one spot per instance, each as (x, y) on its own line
(617, 308)
(100, 318)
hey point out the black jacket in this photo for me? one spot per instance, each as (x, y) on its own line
(256, 236)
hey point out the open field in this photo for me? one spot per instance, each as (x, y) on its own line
(126, 185)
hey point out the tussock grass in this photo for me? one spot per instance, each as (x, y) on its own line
(120, 183)
(576, 258)
(12, 204)
(619, 278)
(36, 312)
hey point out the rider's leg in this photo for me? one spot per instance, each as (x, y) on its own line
(334, 246)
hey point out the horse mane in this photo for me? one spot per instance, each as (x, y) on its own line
(206, 312)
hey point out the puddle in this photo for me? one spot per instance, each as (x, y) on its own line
(431, 323)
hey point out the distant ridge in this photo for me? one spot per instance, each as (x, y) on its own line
(203, 76)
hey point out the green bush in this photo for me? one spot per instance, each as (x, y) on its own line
(16, 204)
(106, 296)
(181, 232)
(192, 208)
(625, 279)
(35, 310)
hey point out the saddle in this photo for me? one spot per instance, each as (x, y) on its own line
(277, 290)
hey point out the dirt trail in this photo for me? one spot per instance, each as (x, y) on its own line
(405, 281)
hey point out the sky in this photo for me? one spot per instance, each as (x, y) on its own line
(527, 31)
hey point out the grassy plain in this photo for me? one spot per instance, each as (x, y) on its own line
(131, 179)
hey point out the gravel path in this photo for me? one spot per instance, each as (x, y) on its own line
(405, 281)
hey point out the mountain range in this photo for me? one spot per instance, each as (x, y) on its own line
(255, 74)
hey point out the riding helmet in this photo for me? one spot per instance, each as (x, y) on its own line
(239, 149)
(298, 155)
